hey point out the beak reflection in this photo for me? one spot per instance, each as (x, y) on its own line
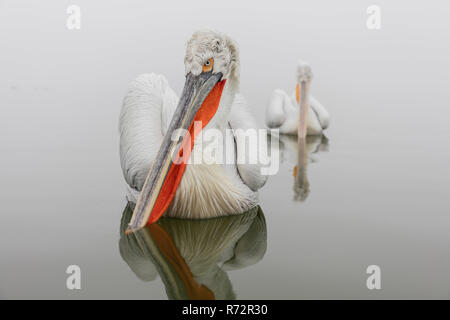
(299, 152)
(192, 256)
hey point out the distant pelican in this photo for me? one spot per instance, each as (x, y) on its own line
(283, 112)
(150, 117)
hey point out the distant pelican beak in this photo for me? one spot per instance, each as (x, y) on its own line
(199, 102)
(304, 76)
(302, 93)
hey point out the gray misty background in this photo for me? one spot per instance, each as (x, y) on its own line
(379, 196)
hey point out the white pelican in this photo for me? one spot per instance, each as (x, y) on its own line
(150, 117)
(192, 257)
(283, 112)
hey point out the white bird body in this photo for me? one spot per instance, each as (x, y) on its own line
(283, 110)
(207, 189)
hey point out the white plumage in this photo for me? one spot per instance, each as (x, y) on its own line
(283, 111)
(206, 190)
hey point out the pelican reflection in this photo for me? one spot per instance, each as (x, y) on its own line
(301, 152)
(192, 257)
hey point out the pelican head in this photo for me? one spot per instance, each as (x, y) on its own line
(212, 51)
(304, 71)
(211, 61)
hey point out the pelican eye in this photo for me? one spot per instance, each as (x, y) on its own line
(208, 65)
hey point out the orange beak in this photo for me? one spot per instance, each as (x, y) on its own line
(301, 93)
(198, 105)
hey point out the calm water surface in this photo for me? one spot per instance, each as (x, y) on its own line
(375, 191)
